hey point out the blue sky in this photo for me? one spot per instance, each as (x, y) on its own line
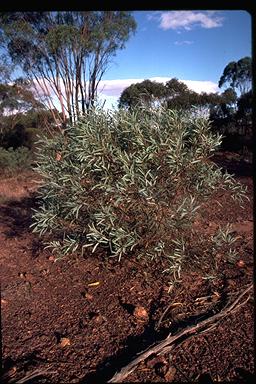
(193, 46)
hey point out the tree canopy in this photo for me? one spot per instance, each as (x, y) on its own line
(174, 94)
(146, 92)
(238, 75)
(65, 54)
(17, 97)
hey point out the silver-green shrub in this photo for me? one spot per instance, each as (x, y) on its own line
(128, 181)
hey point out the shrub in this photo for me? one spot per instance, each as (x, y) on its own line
(128, 182)
(32, 135)
(12, 161)
(18, 136)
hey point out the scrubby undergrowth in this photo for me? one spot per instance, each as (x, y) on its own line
(13, 161)
(131, 182)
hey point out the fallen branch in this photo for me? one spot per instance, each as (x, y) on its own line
(167, 344)
(32, 375)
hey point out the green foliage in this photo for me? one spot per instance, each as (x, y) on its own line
(128, 181)
(223, 240)
(232, 117)
(238, 75)
(172, 95)
(13, 161)
(6, 67)
(16, 97)
(144, 93)
(18, 137)
(65, 54)
(22, 129)
(244, 107)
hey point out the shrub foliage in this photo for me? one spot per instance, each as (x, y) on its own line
(128, 181)
(12, 161)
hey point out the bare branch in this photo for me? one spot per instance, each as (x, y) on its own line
(168, 344)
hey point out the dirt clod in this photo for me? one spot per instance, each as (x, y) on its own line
(64, 342)
(140, 313)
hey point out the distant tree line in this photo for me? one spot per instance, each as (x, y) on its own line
(230, 112)
(174, 94)
(61, 58)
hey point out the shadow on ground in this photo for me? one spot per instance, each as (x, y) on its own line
(135, 345)
(17, 216)
(232, 165)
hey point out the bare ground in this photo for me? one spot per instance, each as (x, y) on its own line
(82, 319)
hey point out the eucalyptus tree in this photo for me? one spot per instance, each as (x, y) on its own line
(6, 68)
(238, 75)
(65, 54)
(15, 100)
(174, 94)
(144, 93)
(17, 97)
(233, 117)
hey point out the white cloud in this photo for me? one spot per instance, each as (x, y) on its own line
(153, 15)
(108, 102)
(201, 86)
(187, 20)
(184, 42)
(115, 87)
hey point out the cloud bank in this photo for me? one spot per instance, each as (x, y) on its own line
(187, 20)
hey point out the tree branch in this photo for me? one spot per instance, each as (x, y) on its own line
(167, 344)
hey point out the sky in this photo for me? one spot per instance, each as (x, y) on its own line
(192, 46)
